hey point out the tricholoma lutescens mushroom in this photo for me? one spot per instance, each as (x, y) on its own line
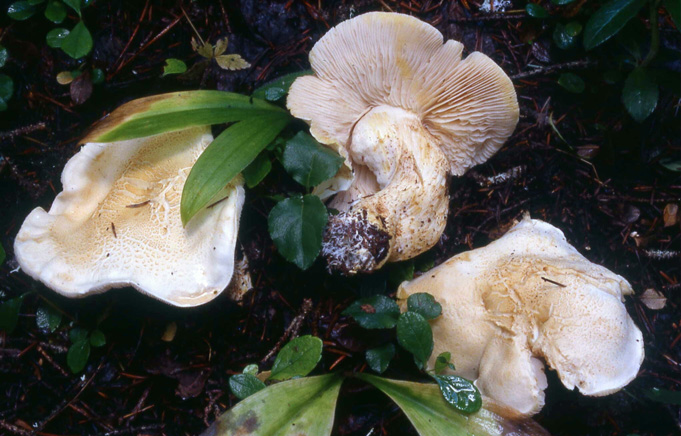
(529, 296)
(404, 110)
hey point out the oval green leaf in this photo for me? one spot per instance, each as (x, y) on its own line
(78, 355)
(278, 88)
(536, 11)
(375, 312)
(609, 20)
(296, 226)
(415, 335)
(55, 11)
(563, 38)
(176, 111)
(6, 87)
(431, 415)
(55, 37)
(245, 385)
(47, 318)
(297, 359)
(4, 55)
(75, 5)
(424, 304)
(309, 162)
(459, 392)
(304, 406)
(78, 334)
(232, 151)
(78, 42)
(572, 83)
(640, 94)
(379, 358)
(9, 313)
(21, 10)
(97, 338)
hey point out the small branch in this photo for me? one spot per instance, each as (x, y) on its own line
(22, 131)
(553, 68)
(291, 331)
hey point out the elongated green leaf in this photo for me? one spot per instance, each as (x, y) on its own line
(374, 312)
(245, 385)
(309, 162)
(674, 9)
(278, 88)
(431, 415)
(609, 20)
(415, 335)
(21, 10)
(640, 94)
(177, 111)
(231, 152)
(78, 355)
(3, 255)
(9, 313)
(297, 359)
(78, 42)
(304, 406)
(296, 226)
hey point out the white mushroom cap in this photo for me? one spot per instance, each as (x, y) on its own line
(381, 79)
(528, 296)
(117, 223)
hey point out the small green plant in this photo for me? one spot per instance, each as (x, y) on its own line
(613, 25)
(298, 404)
(81, 342)
(6, 91)
(76, 42)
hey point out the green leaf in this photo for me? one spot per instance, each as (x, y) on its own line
(78, 42)
(176, 111)
(55, 11)
(609, 20)
(459, 392)
(563, 38)
(309, 162)
(97, 76)
(21, 10)
(573, 28)
(97, 338)
(400, 271)
(572, 83)
(174, 66)
(245, 385)
(6, 87)
(278, 88)
(3, 255)
(536, 11)
(296, 226)
(674, 9)
(257, 170)
(9, 313)
(48, 318)
(379, 358)
(251, 369)
(561, 2)
(424, 304)
(78, 334)
(74, 4)
(35, 2)
(431, 415)
(664, 396)
(55, 37)
(232, 151)
(4, 55)
(297, 359)
(304, 406)
(78, 355)
(640, 94)
(415, 335)
(671, 164)
(375, 312)
(443, 361)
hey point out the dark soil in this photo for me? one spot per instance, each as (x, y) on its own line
(602, 184)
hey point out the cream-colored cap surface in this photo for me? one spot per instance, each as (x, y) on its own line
(117, 223)
(528, 296)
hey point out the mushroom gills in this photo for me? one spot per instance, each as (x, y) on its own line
(397, 204)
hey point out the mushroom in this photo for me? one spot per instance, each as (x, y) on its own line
(404, 110)
(117, 223)
(526, 297)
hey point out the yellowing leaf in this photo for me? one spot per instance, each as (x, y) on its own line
(220, 46)
(232, 62)
(202, 48)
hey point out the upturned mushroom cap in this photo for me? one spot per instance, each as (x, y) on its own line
(117, 223)
(529, 296)
(398, 103)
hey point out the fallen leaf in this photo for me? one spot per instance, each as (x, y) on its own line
(671, 214)
(232, 62)
(653, 299)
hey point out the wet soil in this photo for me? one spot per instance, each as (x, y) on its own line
(578, 161)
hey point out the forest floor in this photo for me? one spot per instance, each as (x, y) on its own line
(578, 161)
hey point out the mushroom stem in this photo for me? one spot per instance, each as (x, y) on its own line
(397, 205)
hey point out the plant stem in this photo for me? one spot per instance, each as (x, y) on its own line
(654, 34)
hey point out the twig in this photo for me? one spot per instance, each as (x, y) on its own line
(22, 130)
(292, 329)
(553, 68)
(14, 429)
